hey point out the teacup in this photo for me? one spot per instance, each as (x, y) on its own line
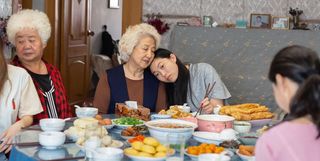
(90, 145)
(159, 116)
(228, 134)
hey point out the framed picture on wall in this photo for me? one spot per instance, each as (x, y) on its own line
(113, 3)
(260, 20)
(280, 23)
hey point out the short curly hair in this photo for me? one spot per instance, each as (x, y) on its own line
(28, 18)
(132, 37)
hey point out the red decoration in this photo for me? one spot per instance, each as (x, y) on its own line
(3, 33)
(160, 25)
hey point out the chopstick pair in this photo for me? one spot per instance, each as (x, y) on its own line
(208, 91)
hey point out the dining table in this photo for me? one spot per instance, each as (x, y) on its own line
(26, 146)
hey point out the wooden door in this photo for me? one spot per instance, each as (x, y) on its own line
(131, 13)
(75, 47)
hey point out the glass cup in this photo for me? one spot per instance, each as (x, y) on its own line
(176, 145)
(92, 139)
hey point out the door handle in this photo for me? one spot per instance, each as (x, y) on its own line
(90, 33)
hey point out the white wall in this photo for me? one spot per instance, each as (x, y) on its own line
(102, 15)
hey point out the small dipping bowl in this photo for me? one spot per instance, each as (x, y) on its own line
(52, 124)
(242, 126)
(51, 139)
(86, 112)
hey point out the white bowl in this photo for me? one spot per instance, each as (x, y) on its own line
(86, 112)
(51, 139)
(248, 138)
(213, 157)
(160, 133)
(102, 154)
(245, 157)
(185, 109)
(50, 154)
(228, 134)
(242, 126)
(52, 124)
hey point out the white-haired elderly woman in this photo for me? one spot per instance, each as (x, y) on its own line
(133, 80)
(29, 30)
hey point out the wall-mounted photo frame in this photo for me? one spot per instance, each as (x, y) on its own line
(113, 4)
(280, 23)
(260, 20)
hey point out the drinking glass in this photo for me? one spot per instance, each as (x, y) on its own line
(176, 143)
(92, 139)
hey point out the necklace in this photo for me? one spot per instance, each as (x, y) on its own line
(132, 74)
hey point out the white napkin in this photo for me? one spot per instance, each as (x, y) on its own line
(132, 104)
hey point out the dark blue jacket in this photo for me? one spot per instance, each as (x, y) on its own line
(119, 90)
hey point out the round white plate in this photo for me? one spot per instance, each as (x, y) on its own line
(108, 127)
(260, 123)
(127, 137)
(119, 145)
(195, 157)
(120, 126)
(202, 140)
(207, 137)
(139, 158)
(245, 157)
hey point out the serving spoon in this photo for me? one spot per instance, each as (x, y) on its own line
(77, 106)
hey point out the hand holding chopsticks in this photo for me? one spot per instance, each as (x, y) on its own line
(208, 91)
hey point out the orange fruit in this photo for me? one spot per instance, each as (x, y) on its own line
(98, 117)
(107, 121)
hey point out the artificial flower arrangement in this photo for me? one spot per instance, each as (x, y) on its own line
(160, 25)
(3, 34)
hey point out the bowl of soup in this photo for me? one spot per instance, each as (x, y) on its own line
(160, 129)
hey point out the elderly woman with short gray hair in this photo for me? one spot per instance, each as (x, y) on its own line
(30, 30)
(132, 80)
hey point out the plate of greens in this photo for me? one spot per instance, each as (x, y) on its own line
(125, 122)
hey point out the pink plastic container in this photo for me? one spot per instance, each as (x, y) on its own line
(214, 123)
(190, 119)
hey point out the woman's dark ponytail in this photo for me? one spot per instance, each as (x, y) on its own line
(307, 101)
(301, 65)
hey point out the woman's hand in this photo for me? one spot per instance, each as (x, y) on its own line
(208, 105)
(8, 135)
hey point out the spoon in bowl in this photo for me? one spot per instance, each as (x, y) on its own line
(77, 106)
(67, 119)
